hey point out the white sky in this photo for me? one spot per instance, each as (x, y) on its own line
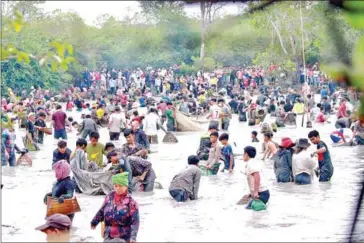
(90, 10)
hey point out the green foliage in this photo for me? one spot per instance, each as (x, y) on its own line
(355, 19)
(21, 69)
(162, 35)
(23, 75)
(352, 74)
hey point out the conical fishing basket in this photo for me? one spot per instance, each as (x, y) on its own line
(69, 206)
(25, 159)
(169, 138)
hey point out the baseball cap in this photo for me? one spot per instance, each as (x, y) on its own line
(58, 221)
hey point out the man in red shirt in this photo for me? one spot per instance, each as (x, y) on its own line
(342, 109)
(321, 118)
(59, 123)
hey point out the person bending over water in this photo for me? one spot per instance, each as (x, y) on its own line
(256, 179)
(185, 185)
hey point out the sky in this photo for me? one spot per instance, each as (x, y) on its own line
(90, 10)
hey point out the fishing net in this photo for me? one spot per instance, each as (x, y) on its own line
(90, 181)
(185, 124)
(207, 172)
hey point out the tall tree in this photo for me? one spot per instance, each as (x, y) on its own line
(208, 12)
(158, 10)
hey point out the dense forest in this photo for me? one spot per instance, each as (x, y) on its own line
(162, 35)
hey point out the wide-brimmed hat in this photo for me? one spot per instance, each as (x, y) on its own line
(286, 143)
(303, 143)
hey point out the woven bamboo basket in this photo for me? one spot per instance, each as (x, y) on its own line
(69, 206)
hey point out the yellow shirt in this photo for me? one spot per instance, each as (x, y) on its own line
(100, 113)
(201, 99)
(213, 81)
(298, 108)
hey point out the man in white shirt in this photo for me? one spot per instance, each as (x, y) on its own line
(151, 125)
(112, 85)
(215, 112)
(117, 121)
(157, 84)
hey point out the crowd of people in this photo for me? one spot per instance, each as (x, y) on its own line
(138, 103)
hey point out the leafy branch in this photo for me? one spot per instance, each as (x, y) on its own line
(60, 55)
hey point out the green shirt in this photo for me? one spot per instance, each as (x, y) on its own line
(169, 115)
(95, 153)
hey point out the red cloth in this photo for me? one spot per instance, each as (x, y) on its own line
(97, 76)
(138, 119)
(320, 118)
(124, 99)
(342, 111)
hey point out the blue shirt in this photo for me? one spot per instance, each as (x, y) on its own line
(141, 138)
(324, 160)
(57, 156)
(142, 101)
(227, 152)
(324, 92)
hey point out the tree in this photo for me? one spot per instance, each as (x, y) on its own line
(208, 10)
(158, 10)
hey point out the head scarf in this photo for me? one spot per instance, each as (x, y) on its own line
(120, 179)
(62, 169)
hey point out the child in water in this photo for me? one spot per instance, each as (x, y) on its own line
(326, 169)
(254, 135)
(227, 153)
(215, 151)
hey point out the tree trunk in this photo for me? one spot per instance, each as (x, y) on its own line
(294, 52)
(275, 27)
(203, 33)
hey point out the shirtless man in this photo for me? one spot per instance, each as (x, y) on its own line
(269, 147)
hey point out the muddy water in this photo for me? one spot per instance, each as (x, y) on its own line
(317, 212)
